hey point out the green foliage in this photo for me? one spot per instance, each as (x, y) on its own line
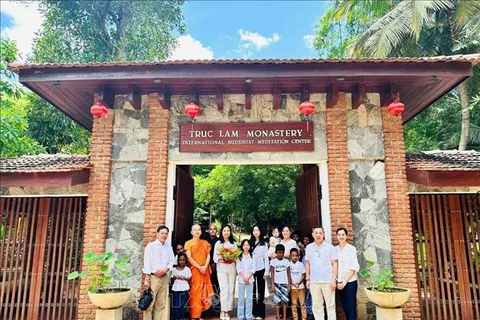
(249, 194)
(55, 131)
(99, 31)
(101, 268)
(8, 53)
(380, 281)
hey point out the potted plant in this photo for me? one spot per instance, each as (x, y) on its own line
(100, 270)
(382, 290)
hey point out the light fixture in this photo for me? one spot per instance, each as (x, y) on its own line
(306, 108)
(192, 110)
(248, 80)
(396, 107)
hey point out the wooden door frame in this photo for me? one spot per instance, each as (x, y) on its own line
(323, 180)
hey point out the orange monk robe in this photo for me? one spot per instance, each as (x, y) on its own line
(201, 288)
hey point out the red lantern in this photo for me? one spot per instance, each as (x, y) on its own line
(396, 107)
(98, 109)
(192, 110)
(306, 108)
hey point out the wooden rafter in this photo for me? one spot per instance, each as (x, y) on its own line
(332, 95)
(106, 95)
(194, 96)
(305, 94)
(134, 97)
(248, 96)
(219, 97)
(277, 96)
(164, 97)
(359, 95)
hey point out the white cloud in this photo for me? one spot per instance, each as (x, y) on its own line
(249, 38)
(189, 49)
(308, 40)
(26, 22)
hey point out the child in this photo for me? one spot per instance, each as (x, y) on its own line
(280, 273)
(274, 240)
(297, 271)
(181, 274)
(245, 271)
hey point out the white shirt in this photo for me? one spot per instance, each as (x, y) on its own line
(290, 244)
(178, 284)
(347, 260)
(296, 271)
(320, 259)
(280, 268)
(260, 257)
(223, 267)
(247, 266)
(158, 256)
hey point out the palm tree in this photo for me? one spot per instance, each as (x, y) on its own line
(428, 28)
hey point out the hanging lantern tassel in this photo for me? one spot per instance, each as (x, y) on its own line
(306, 108)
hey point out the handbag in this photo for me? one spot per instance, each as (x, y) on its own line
(145, 299)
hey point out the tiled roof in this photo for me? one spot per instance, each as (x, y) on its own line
(473, 58)
(45, 163)
(444, 160)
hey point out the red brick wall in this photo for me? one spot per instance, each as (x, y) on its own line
(157, 165)
(403, 257)
(97, 205)
(338, 174)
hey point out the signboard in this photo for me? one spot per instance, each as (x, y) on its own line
(246, 137)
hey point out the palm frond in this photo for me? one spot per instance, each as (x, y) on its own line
(467, 14)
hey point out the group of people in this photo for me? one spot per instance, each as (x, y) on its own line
(296, 271)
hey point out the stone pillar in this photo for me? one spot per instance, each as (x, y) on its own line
(97, 205)
(368, 193)
(403, 257)
(338, 185)
(157, 166)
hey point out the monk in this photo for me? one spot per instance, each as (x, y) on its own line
(201, 290)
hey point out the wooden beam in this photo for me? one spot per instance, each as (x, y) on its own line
(277, 96)
(332, 95)
(243, 71)
(106, 95)
(387, 95)
(444, 178)
(194, 96)
(44, 179)
(164, 97)
(134, 97)
(305, 94)
(359, 95)
(219, 97)
(248, 96)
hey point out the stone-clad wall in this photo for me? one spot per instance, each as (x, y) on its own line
(261, 111)
(128, 180)
(368, 193)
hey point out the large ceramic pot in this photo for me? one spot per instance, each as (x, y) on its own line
(389, 300)
(110, 298)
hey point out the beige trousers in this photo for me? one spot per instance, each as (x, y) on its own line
(159, 309)
(319, 291)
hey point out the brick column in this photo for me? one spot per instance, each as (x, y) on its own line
(98, 201)
(338, 174)
(157, 165)
(403, 257)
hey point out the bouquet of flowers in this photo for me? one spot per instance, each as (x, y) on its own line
(229, 255)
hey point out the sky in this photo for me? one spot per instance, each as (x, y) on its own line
(215, 29)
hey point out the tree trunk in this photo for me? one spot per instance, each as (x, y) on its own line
(465, 132)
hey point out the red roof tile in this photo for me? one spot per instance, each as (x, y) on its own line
(45, 163)
(473, 58)
(444, 160)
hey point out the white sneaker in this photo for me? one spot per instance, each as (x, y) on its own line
(258, 318)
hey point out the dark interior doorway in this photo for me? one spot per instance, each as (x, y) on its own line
(307, 196)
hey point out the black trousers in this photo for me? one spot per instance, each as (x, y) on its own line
(259, 294)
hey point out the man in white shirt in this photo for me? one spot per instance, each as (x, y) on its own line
(158, 260)
(321, 274)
